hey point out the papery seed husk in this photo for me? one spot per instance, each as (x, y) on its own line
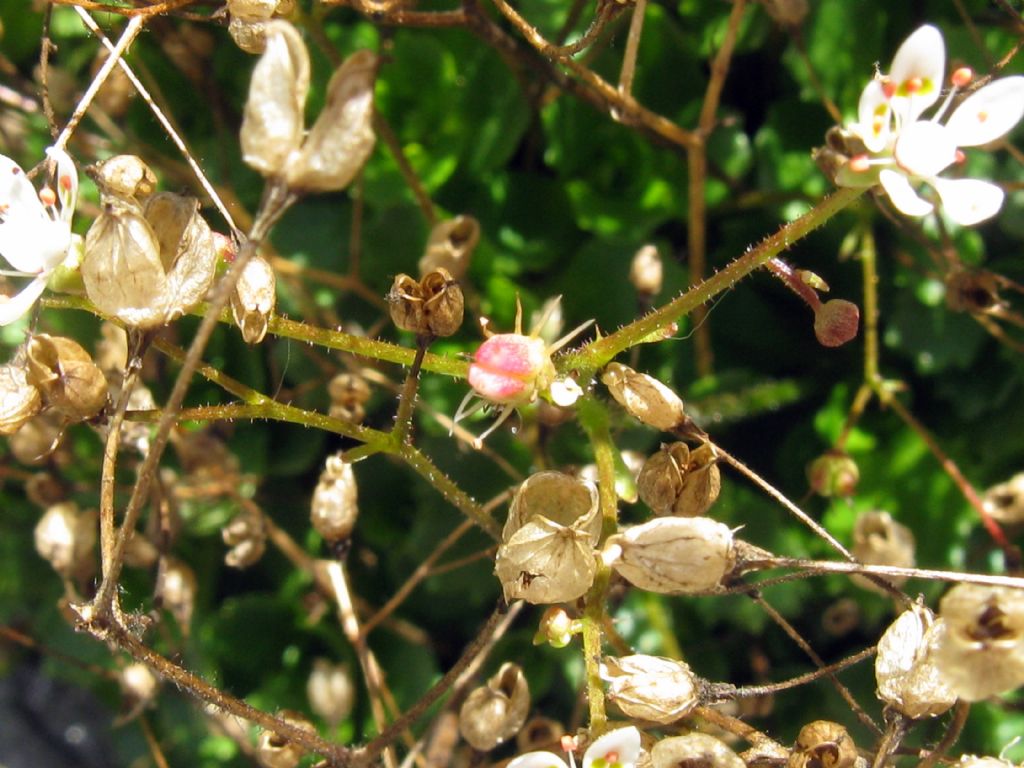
(1005, 502)
(495, 712)
(696, 750)
(561, 498)
(450, 246)
(187, 250)
(342, 137)
(273, 119)
(674, 555)
(177, 587)
(330, 691)
(879, 540)
(138, 683)
(405, 304)
(65, 537)
(335, 505)
(680, 481)
(66, 376)
(253, 299)
(252, 9)
(651, 688)
(443, 303)
(823, 743)
(19, 400)
(126, 178)
(544, 562)
(250, 35)
(275, 751)
(644, 397)
(121, 268)
(645, 271)
(906, 675)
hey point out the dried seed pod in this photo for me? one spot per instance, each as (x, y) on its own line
(330, 691)
(650, 687)
(450, 246)
(349, 393)
(538, 733)
(836, 322)
(694, 749)
(405, 303)
(644, 397)
(187, 250)
(980, 651)
(44, 490)
(254, 298)
(880, 540)
(274, 751)
(138, 684)
(442, 303)
(1005, 501)
(679, 481)
(834, 473)
(38, 438)
(645, 272)
(495, 712)
(65, 537)
(19, 400)
(272, 122)
(673, 555)
(246, 534)
(176, 586)
(342, 137)
(66, 376)
(546, 553)
(905, 672)
(127, 178)
(250, 36)
(823, 744)
(335, 505)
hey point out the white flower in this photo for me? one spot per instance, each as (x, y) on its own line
(904, 151)
(616, 749)
(35, 229)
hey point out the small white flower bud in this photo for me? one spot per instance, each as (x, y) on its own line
(65, 537)
(673, 555)
(694, 749)
(645, 271)
(335, 505)
(650, 687)
(908, 679)
(644, 397)
(330, 691)
(254, 298)
(495, 712)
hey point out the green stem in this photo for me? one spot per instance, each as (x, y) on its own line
(593, 618)
(593, 356)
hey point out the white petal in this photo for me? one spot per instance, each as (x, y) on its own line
(538, 760)
(988, 113)
(874, 116)
(622, 743)
(14, 307)
(21, 214)
(969, 201)
(67, 182)
(921, 58)
(925, 148)
(902, 194)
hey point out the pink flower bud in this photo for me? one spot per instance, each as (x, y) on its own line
(510, 369)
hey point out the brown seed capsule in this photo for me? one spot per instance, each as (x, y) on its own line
(442, 303)
(905, 671)
(679, 481)
(650, 687)
(645, 272)
(342, 137)
(246, 534)
(330, 691)
(880, 540)
(495, 712)
(405, 303)
(1005, 502)
(823, 744)
(834, 473)
(254, 298)
(546, 553)
(673, 555)
(981, 650)
(644, 397)
(335, 505)
(450, 246)
(19, 400)
(187, 250)
(275, 751)
(836, 322)
(65, 537)
(349, 393)
(692, 751)
(64, 373)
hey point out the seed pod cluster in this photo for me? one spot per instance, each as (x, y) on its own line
(650, 687)
(673, 555)
(254, 298)
(678, 480)
(494, 713)
(450, 246)
(335, 505)
(546, 553)
(430, 307)
(905, 671)
(644, 397)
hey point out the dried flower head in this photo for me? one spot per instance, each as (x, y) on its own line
(254, 298)
(546, 553)
(644, 397)
(335, 505)
(650, 687)
(880, 540)
(673, 555)
(823, 744)
(450, 246)
(495, 712)
(246, 534)
(907, 677)
(679, 481)
(19, 400)
(430, 307)
(275, 751)
(65, 537)
(694, 749)
(64, 373)
(1005, 501)
(330, 691)
(981, 648)
(616, 749)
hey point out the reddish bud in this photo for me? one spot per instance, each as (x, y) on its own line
(833, 474)
(835, 322)
(506, 368)
(961, 76)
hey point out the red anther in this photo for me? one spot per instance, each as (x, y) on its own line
(888, 88)
(860, 163)
(961, 76)
(612, 757)
(47, 196)
(960, 157)
(913, 85)
(65, 182)
(982, 116)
